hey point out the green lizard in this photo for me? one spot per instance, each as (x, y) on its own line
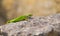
(21, 18)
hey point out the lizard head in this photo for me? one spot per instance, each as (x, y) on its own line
(29, 16)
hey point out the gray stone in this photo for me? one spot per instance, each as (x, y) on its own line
(35, 26)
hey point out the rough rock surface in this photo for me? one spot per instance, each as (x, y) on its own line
(35, 26)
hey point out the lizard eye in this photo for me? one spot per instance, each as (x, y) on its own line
(23, 19)
(30, 15)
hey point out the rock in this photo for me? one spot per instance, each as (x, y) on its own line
(35, 26)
